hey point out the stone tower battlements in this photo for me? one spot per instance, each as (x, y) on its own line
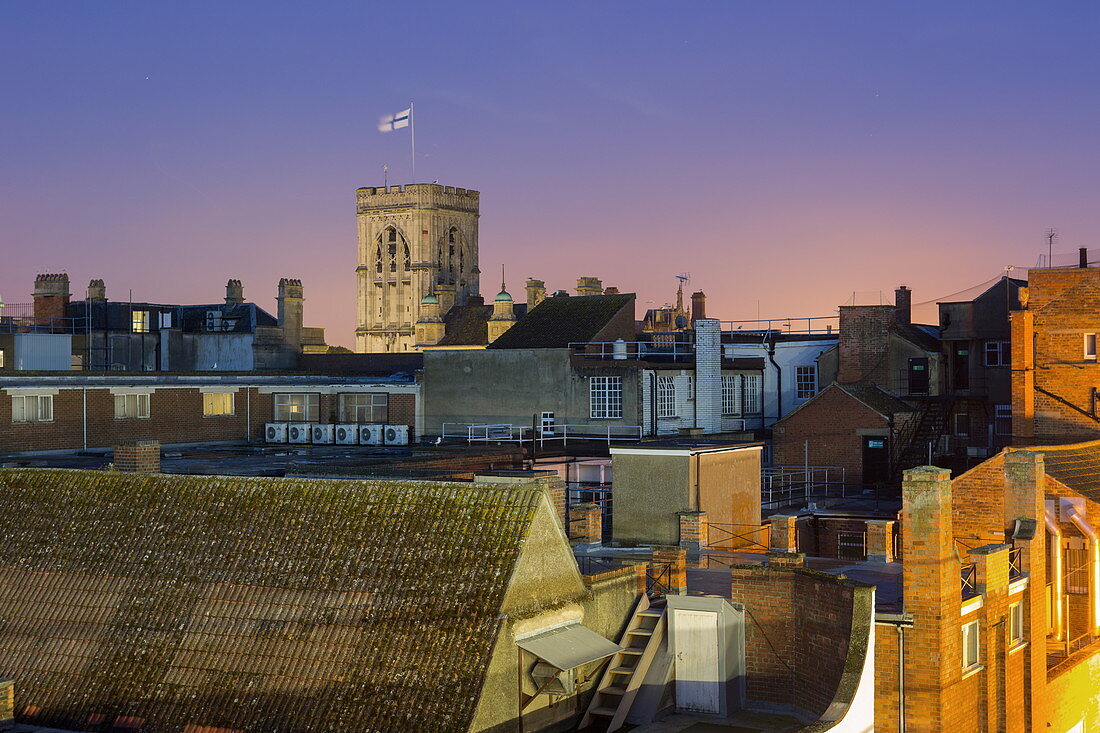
(417, 195)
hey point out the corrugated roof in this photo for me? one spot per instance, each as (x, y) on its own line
(559, 321)
(253, 604)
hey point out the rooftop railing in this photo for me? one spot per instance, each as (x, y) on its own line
(799, 325)
(674, 350)
(507, 433)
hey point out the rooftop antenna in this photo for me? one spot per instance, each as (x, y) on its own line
(502, 288)
(1052, 234)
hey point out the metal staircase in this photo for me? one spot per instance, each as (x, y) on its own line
(627, 669)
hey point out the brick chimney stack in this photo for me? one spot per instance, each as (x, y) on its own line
(903, 304)
(51, 296)
(864, 330)
(234, 292)
(698, 306)
(97, 291)
(1083, 257)
(291, 297)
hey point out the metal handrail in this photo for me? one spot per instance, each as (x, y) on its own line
(725, 541)
(813, 324)
(632, 349)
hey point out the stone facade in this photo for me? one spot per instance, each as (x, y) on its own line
(413, 240)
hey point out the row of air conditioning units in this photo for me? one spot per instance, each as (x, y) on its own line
(318, 434)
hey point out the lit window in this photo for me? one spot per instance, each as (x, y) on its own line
(1002, 420)
(548, 423)
(1015, 624)
(131, 406)
(1090, 346)
(731, 394)
(970, 645)
(606, 397)
(753, 384)
(368, 408)
(998, 353)
(32, 408)
(1, 358)
(217, 403)
(296, 407)
(805, 381)
(139, 321)
(666, 397)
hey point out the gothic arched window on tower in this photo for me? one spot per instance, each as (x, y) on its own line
(408, 260)
(378, 259)
(462, 259)
(393, 256)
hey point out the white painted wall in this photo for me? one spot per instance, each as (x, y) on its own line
(788, 355)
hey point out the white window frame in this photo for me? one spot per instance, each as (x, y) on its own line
(219, 404)
(133, 406)
(605, 398)
(731, 395)
(666, 397)
(41, 405)
(1089, 346)
(166, 319)
(139, 321)
(1015, 624)
(295, 406)
(753, 399)
(805, 381)
(365, 408)
(1002, 412)
(998, 353)
(547, 425)
(971, 646)
(1, 358)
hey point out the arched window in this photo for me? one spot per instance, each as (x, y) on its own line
(461, 259)
(390, 238)
(408, 260)
(378, 260)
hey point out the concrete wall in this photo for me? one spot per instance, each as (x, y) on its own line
(510, 385)
(223, 352)
(780, 393)
(651, 487)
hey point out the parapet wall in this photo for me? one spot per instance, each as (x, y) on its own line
(806, 636)
(418, 195)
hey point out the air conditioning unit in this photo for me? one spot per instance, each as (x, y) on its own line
(347, 435)
(397, 435)
(322, 433)
(370, 434)
(275, 432)
(298, 432)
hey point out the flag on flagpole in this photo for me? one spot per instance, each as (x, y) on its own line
(394, 122)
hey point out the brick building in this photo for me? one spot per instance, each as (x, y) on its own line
(987, 608)
(51, 412)
(1055, 371)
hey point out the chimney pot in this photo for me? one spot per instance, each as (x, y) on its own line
(903, 304)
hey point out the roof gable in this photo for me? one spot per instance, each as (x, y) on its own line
(255, 604)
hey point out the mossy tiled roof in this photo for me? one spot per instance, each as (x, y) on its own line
(253, 604)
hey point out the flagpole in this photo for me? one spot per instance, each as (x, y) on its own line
(412, 137)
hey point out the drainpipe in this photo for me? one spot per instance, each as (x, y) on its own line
(901, 678)
(1056, 565)
(778, 382)
(84, 418)
(1094, 565)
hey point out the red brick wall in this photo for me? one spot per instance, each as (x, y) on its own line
(829, 423)
(797, 631)
(402, 411)
(863, 343)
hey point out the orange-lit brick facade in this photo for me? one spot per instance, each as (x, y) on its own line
(989, 527)
(1054, 378)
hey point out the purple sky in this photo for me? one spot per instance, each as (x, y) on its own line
(787, 153)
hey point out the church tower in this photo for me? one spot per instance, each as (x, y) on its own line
(413, 240)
